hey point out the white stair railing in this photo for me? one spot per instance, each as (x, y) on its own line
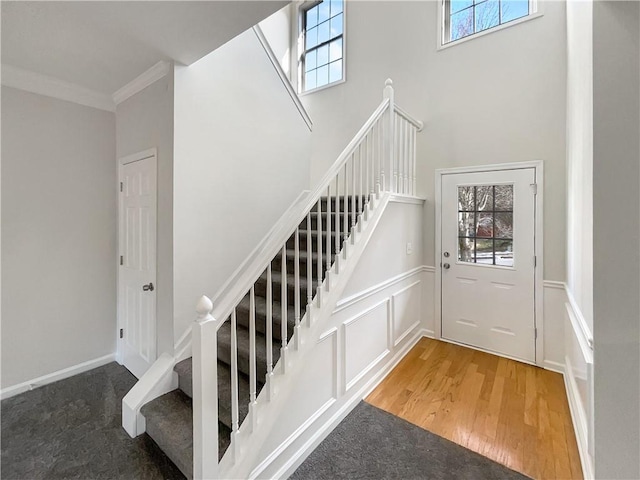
(380, 158)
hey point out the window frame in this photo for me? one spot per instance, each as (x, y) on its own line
(443, 17)
(300, 35)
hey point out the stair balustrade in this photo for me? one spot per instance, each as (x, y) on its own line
(304, 256)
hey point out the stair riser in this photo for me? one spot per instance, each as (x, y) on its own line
(224, 355)
(276, 264)
(359, 201)
(261, 290)
(242, 317)
(314, 242)
(314, 221)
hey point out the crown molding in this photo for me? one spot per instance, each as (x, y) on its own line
(142, 81)
(33, 82)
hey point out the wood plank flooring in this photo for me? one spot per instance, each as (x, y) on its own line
(513, 413)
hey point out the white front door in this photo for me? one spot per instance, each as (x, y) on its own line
(137, 275)
(488, 261)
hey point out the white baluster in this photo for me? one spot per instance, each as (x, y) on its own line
(252, 358)
(284, 309)
(235, 412)
(397, 175)
(360, 209)
(309, 270)
(320, 266)
(296, 292)
(337, 223)
(269, 341)
(390, 136)
(403, 158)
(379, 155)
(407, 156)
(353, 199)
(205, 393)
(345, 213)
(367, 199)
(329, 240)
(413, 158)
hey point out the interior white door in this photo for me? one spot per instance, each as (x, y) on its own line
(488, 261)
(137, 276)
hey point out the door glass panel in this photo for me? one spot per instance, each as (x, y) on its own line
(466, 224)
(485, 224)
(504, 225)
(504, 198)
(484, 199)
(504, 253)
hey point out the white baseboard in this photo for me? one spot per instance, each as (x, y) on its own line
(554, 366)
(55, 376)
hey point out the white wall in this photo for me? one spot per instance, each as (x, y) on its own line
(494, 99)
(580, 155)
(241, 157)
(277, 30)
(58, 235)
(143, 121)
(616, 238)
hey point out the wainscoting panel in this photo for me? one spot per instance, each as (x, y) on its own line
(405, 307)
(578, 379)
(555, 297)
(366, 341)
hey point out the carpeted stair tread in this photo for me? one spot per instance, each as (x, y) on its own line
(276, 285)
(184, 370)
(244, 308)
(224, 350)
(276, 280)
(169, 422)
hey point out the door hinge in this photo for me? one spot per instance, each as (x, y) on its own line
(121, 186)
(121, 260)
(535, 261)
(534, 188)
(535, 333)
(122, 333)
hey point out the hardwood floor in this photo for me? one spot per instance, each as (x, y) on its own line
(513, 413)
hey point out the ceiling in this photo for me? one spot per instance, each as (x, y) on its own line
(103, 45)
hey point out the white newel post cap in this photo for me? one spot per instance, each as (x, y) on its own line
(204, 307)
(388, 82)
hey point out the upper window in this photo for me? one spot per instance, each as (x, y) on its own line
(463, 18)
(321, 62)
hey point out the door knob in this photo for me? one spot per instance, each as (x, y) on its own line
(446, 254)
(446, 266)
(148, 288)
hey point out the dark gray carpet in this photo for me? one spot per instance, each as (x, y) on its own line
(72, 429)
(373, 444)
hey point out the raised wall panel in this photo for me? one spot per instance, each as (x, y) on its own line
(406, 311)
(366, 341)
(320, 389)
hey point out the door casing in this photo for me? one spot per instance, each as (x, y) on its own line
(538, 244)
(151, 152)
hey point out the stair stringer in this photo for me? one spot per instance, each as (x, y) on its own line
(297, 411)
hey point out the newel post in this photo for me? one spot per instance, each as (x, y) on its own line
(388, 164)
(205, 392)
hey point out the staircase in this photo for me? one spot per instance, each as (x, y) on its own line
(267, 321)
(169, 418)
